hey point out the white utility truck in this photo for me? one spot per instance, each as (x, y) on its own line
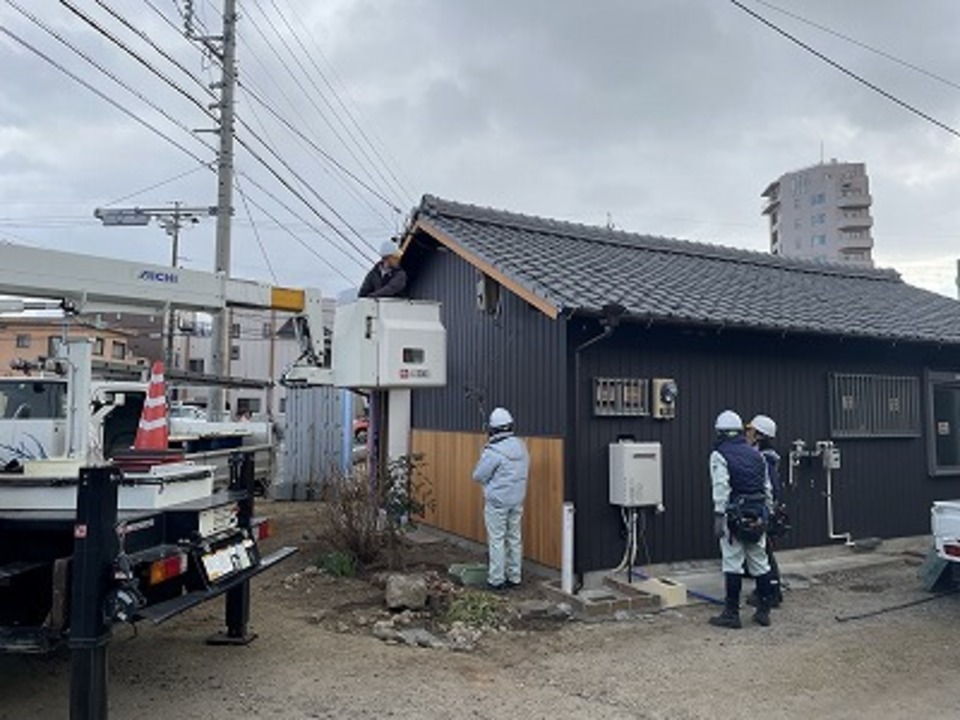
(86, 542)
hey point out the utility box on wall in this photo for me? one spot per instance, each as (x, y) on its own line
(389, 343)
(636, 474)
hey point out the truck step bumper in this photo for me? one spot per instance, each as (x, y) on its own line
(165, 610)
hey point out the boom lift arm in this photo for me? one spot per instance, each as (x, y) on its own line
(91, 284)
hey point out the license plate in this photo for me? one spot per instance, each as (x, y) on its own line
(230, 559)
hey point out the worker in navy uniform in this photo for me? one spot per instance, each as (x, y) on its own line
(742, 495)
(761, 432)
(386, 278)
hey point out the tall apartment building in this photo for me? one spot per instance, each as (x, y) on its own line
(821, 213)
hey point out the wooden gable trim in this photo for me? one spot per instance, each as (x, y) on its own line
(544, 306)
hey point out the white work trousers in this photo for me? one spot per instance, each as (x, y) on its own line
(734, 553)
(504, 544)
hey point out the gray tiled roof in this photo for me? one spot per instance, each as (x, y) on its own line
(578, 266)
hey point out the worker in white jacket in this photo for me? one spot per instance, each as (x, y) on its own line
(502, 470)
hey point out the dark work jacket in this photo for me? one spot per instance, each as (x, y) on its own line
(745, 465)
(773, 470)
(383, 281)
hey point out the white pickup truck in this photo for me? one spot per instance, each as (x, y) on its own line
(945, 525)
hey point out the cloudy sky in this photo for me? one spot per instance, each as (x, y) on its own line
(666, 117)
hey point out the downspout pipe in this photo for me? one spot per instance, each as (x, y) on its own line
(612, 314)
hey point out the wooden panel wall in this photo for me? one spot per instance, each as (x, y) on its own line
(448, 461)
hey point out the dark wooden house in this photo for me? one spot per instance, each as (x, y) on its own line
(570, 326)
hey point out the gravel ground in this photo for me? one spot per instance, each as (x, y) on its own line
(315, 658)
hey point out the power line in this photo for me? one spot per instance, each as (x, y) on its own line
(379, 193)
(320, 94)
(250, 89)
(122, 83)
(309, 248)
(336, 95)
(256, 231)
(253, 153)
(286, 123)
(833, 63)
(136, 56)
(283, 181)
(858, 43)
(99, 93)
(158, 185)
(163, 53)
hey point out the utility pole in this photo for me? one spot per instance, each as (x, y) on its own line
(221, 330)
(172, 220)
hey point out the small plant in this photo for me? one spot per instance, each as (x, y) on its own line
(368, 515)
(339, 564)
(476, 608)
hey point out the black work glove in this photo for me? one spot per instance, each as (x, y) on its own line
(719, 525)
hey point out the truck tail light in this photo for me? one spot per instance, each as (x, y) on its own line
(951, 550)
(265, 530)
(167, 568)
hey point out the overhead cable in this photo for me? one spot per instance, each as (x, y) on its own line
(319, 93)
(136, 56)
(833, 63)
(99, 93)
(865, 46)
(112, 76)
(310, 56)
(163, 53)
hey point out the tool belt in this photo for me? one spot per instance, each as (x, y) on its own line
(747, 517)
(779, 523)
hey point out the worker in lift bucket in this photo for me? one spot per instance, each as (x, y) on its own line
(742, 496)
(761, 433)
(502, 469)
(386, 278)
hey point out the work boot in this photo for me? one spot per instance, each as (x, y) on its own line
(764, 594)
(730, 617)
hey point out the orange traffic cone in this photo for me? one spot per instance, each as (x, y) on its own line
(153, 432)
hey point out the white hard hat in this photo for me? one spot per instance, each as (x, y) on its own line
(389, 248)
(764, 425)
(728, 420)
(500, 417)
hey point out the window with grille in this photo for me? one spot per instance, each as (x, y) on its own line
(874, 406)
(621, 396)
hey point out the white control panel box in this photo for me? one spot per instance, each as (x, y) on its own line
(389, 343)
(636, 474)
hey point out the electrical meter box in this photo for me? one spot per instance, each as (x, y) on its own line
(389, 343)
(636, 474)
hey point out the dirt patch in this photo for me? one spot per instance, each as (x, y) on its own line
(318, 656)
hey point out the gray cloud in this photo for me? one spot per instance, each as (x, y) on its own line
(670, 115)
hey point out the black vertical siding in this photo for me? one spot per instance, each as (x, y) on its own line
(516, 359)
(882, 489)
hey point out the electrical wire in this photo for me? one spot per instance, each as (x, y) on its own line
(327, 156)
(256, 231)
(136, 56)
(160, 184)
(92, 23)
(319, 51)
(163, 53)
(310, 225)
(99, 93)
(321, 95)
(112, 76)
(304, 92)
(833, 63)
(863, 45)
(286, 183)
(206, 47)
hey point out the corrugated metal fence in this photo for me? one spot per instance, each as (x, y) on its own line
(312, 447)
